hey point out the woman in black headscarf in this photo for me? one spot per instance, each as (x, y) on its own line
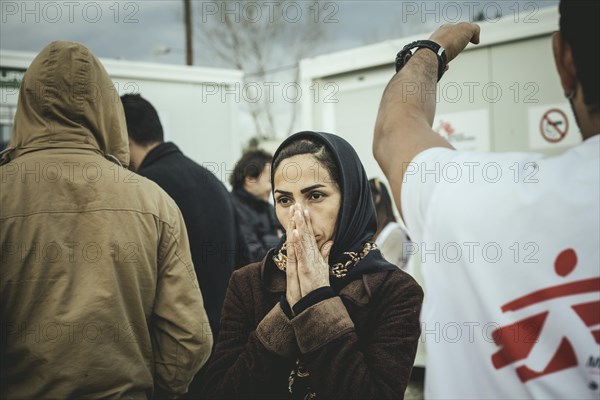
(324, 315)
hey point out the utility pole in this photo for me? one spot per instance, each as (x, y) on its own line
(187, 16)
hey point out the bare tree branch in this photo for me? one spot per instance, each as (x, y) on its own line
(260, 46)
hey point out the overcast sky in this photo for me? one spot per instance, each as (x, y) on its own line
(134, 30)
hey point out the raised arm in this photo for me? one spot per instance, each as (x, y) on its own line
(403, 126)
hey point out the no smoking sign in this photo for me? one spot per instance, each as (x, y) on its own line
(554, 125)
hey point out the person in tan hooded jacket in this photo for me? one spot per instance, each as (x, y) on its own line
(98, 295)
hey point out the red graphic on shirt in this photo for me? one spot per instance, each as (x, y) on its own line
(514, 348)
(446, 127)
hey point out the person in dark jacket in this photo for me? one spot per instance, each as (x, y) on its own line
(204, 201)
(251, 182)
(323, 315)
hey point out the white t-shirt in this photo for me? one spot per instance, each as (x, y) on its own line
(510, 250)
(391, 242)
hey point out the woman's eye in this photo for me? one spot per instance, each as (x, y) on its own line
(316, 196)
(284, 201)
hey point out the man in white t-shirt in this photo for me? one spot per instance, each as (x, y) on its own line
(509, 242)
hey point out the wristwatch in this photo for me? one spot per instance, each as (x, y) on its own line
(405, 54)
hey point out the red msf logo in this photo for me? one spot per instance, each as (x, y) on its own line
(445, 127)
(518, 347)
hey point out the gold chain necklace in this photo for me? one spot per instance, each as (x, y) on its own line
(339, 270)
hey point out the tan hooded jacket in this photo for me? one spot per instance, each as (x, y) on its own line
(98, 295)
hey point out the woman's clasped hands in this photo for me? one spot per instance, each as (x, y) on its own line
(307, 266)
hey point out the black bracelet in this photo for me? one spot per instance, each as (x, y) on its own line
(405, 54)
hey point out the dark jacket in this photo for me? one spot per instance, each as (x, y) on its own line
(360, 344)
(257, 223)
(209, 218)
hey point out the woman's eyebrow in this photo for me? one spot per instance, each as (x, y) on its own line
(308, 189)
(282, 192)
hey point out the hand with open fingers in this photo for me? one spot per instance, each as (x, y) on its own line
(292, 291)
(311, 262)
(455, 37)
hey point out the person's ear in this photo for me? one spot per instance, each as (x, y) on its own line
(563, 58)
(248, 181)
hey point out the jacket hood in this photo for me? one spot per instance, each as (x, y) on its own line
(67, 100)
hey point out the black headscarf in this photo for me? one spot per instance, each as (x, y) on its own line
(357, 218)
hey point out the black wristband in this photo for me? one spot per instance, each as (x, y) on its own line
(285, 307)
(405, 54)
(314, 297)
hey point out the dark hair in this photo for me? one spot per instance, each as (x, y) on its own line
(385, 211)
(143, 124)
(316, 149)
(579, 27)
(250, 165)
